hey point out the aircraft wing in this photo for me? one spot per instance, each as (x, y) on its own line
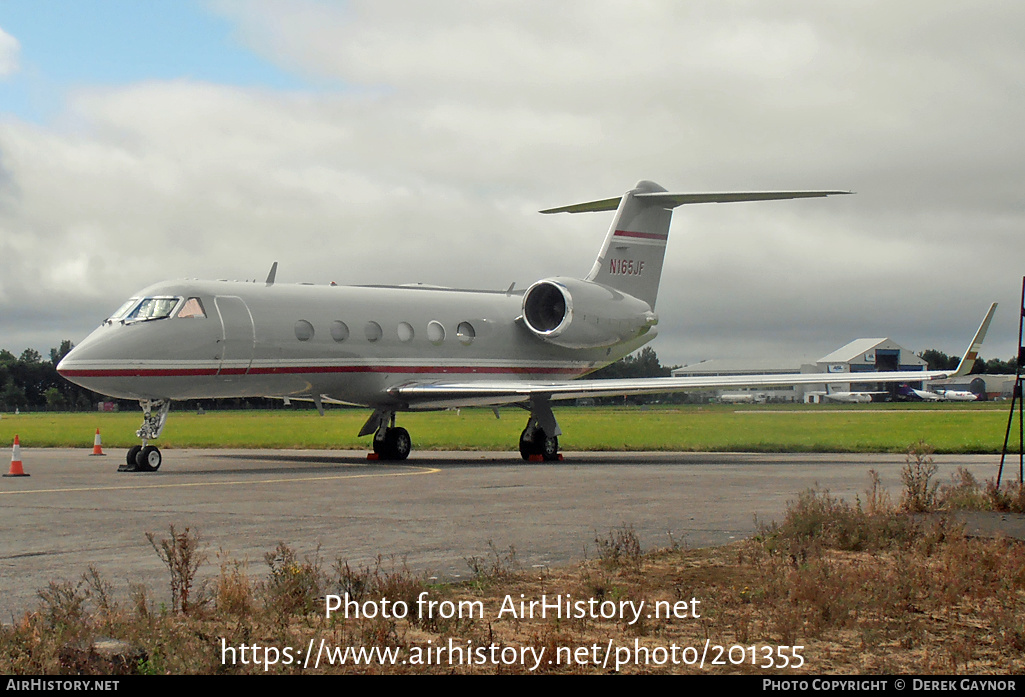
(496, 392)
(490, 393)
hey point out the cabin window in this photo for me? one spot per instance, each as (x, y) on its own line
(303, 330)
(435, 332)
(193, 308)
(405, 330)
(152, 308)
(339, 330)
(373, 331)
(465, 333)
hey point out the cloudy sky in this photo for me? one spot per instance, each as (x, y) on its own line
(366, 142)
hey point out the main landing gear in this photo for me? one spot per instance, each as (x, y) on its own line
(540, 439)
(146, 457)
(534, 442)
(391, 442)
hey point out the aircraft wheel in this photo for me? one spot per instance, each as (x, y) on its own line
(527, 447)
(549, 448)
(133, 452)
(397, 443)
(148, 459)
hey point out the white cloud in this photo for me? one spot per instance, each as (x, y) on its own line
(10, 49)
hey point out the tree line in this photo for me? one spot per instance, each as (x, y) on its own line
(937, 360)
(31, 382)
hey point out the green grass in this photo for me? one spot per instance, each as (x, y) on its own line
(795, 428)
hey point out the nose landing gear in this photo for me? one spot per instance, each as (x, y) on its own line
(146, 457)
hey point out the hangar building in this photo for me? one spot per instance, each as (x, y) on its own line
(872, 356)
(859, 356)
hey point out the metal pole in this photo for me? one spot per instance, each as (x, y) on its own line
(1017, 387)
(1017, 397)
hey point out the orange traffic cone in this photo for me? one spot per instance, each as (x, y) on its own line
(16, 469)
(97, 445)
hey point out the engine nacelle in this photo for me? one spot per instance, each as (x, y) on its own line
(573, 313)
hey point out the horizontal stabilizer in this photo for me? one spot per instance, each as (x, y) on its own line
(671, 200)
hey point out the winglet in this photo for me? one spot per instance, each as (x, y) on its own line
(272, 274)
(966, 364)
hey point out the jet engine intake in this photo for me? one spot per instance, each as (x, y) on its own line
(573, 313)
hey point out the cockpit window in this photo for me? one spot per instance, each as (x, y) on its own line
(152, 308)
(193, 308)
(123, 310)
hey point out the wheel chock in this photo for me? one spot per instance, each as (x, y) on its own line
(541, 458)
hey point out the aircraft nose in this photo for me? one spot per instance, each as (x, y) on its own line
(80, 362)
(68, 363)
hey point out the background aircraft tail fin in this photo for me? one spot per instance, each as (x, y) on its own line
(968, 360)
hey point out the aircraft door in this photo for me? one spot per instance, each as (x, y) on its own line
(238, 335)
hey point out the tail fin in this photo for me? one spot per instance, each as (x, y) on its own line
(968, 360)
(631, 257)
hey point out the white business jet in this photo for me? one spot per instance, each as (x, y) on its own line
(406, 348)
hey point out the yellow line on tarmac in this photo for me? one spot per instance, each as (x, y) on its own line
(283, 480)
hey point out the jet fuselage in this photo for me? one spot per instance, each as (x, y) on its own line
(350, 343)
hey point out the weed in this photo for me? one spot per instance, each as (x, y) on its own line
(401, 584)
(494, 566)
(294, 586)
(877, 499)
(100, 590)
(372, 583)
(919, 493)
(1010, 498)
(182, 556)
(233, 591)
(674, 544)
(963, 493)
(619, 548)
(62, 607)
(357, 583)
(140, 600)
